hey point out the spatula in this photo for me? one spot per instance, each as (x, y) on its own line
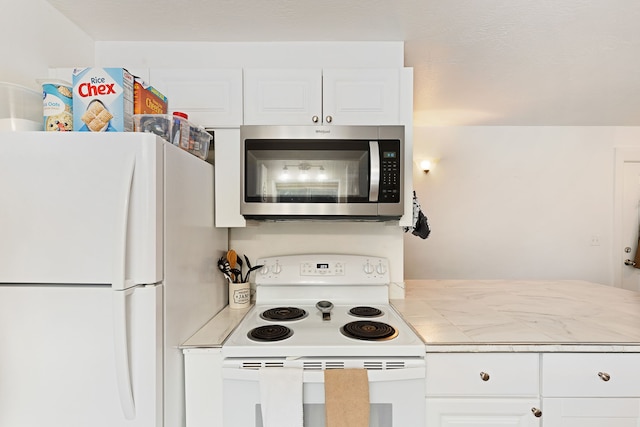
(232, 257)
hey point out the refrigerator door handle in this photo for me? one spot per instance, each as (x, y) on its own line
(121, 352)
(120, 249)
(120, 318)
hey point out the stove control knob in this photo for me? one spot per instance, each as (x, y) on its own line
(277, 269)
(381, 269)
(264, 270)
(368, 268)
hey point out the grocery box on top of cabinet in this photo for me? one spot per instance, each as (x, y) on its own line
(102, 100)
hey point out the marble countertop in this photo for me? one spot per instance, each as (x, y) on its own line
(214, 332)
(500, 315)
(497, 316)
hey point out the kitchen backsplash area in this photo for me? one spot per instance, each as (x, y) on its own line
(261, 239)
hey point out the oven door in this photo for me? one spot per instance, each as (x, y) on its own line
(296, 172)
(396, 391)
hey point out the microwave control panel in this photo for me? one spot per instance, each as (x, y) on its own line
(390, 173)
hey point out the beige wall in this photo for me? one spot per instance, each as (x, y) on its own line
(35, 37)
(516, 202)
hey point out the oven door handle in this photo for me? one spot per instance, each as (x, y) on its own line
(317, 376)
(374, 167)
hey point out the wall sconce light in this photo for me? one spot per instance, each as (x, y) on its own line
(425, 165)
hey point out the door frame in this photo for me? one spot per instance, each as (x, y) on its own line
(622, 155)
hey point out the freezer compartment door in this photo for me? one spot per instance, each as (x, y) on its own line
(58, 358)
(79, 208)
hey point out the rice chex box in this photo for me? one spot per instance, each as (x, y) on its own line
(102, 100)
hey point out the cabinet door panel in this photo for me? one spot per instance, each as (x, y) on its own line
(211, 97)
(361, 96)
(458, 412)
(227, 179)
(591, 412)
(203, 386)
(282, 96)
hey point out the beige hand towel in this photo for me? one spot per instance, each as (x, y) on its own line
(346, 396)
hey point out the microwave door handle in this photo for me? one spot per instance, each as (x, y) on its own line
(374, 167)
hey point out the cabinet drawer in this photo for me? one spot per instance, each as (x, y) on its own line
(591, 375)
(483, 374)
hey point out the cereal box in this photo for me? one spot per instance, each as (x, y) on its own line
(102, 100)
(147, 99)
(57, 105)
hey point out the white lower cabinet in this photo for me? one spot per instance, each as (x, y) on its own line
(482, 412)
(203, 387)
(591, 412)
(591, 389)
(483, 389)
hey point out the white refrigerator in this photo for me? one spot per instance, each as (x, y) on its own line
(107, 264)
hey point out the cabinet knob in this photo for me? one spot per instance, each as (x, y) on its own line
(315, 119)
(484, 376)
(536, 412)
(329, 119)
(604, 376)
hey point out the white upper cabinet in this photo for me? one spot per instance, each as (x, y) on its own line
(322, 97)
(286, 96)
(211, 97)
(361, 97)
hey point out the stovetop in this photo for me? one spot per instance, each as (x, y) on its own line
(314, 336)
(308, 285)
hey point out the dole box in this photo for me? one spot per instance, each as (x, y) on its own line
(102, 100)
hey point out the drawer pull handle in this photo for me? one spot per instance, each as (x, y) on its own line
(604, 376)
(536, 412)
(484, 376)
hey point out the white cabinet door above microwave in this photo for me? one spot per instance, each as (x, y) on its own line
(211, 97)
(284, 97)
(361, 96)
(322, 97)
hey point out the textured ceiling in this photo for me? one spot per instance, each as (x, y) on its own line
(503, 62)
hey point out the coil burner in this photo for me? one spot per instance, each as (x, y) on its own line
(284, 313)
(269, 333)
(369, 331)
(364, 311)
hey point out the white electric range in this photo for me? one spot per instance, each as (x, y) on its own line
(325, 311)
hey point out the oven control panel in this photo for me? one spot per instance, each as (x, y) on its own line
(323, 269)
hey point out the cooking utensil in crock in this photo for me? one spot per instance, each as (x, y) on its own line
(232, 257)
(225, 268)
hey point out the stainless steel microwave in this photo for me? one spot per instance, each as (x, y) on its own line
(307, 172)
